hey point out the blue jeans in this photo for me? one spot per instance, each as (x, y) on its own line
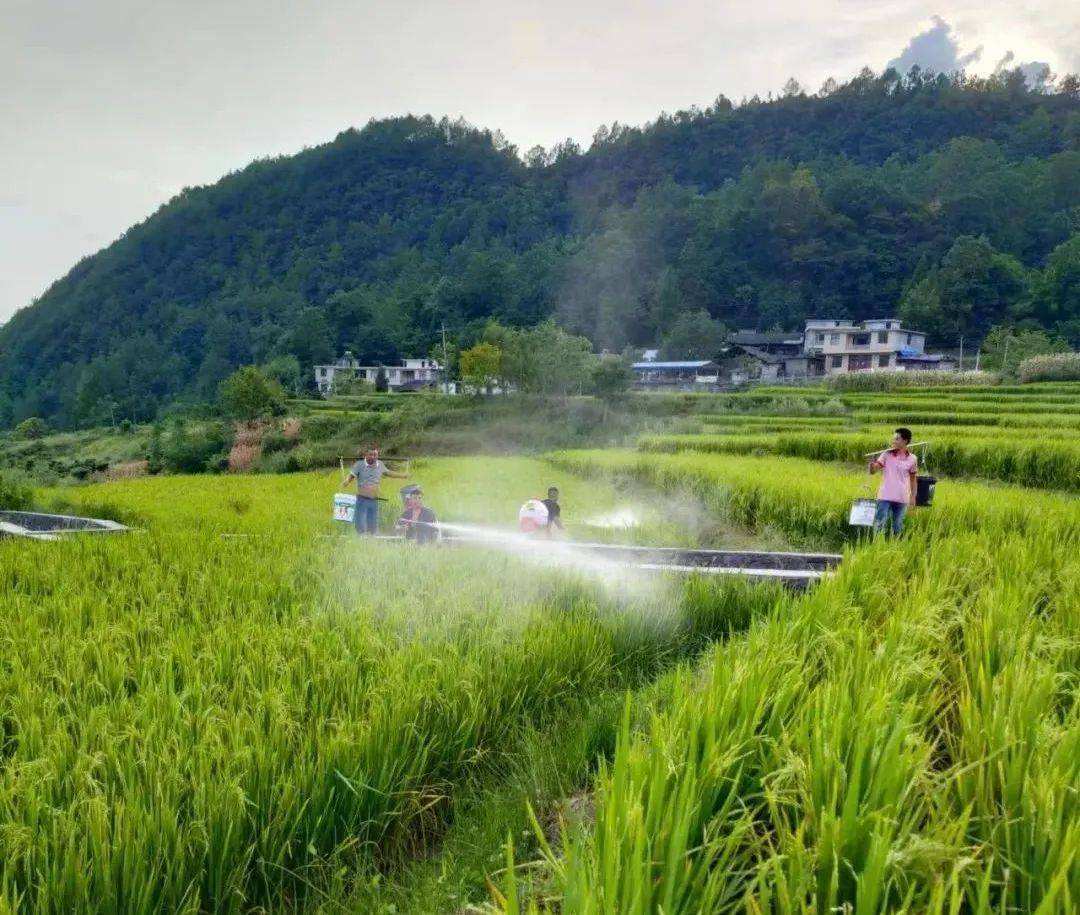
(890, 511)
(366, 517)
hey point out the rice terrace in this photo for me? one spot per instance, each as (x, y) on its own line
(486, 512)
(237, 706)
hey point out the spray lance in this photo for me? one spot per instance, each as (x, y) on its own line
(890, 448)
(392, 460)
(344, 504)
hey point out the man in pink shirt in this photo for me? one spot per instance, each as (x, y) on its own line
(898, 468)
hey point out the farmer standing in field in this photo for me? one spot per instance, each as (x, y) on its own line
(368, 471)
(898, 468)
(554, 510)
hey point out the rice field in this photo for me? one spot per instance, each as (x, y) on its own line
(993, 433)
(1046, 464)
(239, 704)
(240, 707)
(904, 739)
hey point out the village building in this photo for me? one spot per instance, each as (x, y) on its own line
(685, 375)
(411, 375)
(829, 346)
(876, 345)
(768, 356)
(779, 343)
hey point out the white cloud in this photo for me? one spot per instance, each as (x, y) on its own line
(110, 106)
(935, 49)
(938, 48)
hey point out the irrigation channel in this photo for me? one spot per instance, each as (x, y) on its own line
(797, 570)
(40, 526)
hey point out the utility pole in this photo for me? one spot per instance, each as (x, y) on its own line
(1005, 358)
(961, 354)
(445, 363)
(978, 353)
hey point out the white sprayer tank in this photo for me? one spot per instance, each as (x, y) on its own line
(532, 516)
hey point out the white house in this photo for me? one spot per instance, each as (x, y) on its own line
(410, 375)
(877, 345)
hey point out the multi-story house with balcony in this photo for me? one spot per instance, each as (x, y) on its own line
(410, 375)
(877, 345)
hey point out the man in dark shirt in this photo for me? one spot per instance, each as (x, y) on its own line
(551, 503)
(417, 520)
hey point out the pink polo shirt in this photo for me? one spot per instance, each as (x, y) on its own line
(896, 473)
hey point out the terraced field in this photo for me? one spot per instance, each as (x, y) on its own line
(1002, 434)
(240, 707)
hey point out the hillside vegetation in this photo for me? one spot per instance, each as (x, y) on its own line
(953, 201)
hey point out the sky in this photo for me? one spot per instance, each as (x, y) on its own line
(108, 108)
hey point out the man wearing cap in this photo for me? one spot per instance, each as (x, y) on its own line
(417, 520)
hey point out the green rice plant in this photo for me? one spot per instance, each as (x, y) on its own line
(1042, 465)
(1000, 433)
(897, 381)
(740, 419)
(812, 387)
(808, 501)
(1016, 732)
(1037, 389)
(944, 417)
(822, 762)
(950, 405)
(243, 707)
(971, 396)
(229, 709)
(767, 426)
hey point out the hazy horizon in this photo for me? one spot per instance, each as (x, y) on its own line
(112, 107)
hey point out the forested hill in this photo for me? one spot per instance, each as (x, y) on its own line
(953, 202)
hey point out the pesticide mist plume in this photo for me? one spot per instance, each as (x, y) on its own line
(561, 555)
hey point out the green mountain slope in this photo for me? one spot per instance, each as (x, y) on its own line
(847, 203)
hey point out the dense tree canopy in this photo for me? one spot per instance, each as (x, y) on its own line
(957, 200)
(249, 394)
(693, 335)
(480, 366)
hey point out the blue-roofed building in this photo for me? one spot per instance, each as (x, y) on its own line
(687, 374)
